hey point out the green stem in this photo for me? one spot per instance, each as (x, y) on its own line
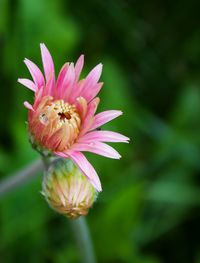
(79, 226)
(46, 161)
(84, 243)
(18, 179)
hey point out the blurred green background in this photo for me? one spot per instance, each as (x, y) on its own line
(149, 210)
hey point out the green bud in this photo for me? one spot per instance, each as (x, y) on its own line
(67, 190)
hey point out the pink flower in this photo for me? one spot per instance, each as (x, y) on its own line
(62, 118)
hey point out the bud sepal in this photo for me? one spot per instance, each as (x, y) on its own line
(67, 190)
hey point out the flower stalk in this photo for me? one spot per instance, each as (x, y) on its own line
(83, 240)
(18, 179)
(79, 226)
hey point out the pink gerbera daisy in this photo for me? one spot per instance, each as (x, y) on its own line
(62, 118)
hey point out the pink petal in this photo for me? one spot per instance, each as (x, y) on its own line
(61, 154)
(103, 136)
(104, 117)
(77, 91)
(35, 73)
(85, 166)
(28, 83)
(91, 80)
(28, 105)
(38, 96)
(97, 148)
(94, 75)
(87, 169)
(48, 90)
(87, 122)
(60, 80)
(47, 62)
(68, 82)
(90, 93)
(79, 67)
(81, 105)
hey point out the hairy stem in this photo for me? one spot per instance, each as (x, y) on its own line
(18, 179)
(82, 237)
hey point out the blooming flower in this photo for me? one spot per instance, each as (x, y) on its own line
(67, 190)
(62, 118)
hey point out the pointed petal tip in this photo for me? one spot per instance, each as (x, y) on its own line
(100, 66)
(97, 100)
(28, 105)
(81, 59)
(96, 184)
(116, 155)
(43, 48)
(26, 60)
(117, 112)
(42, 45)
(126, 139)
(47, 62)
(28, 84)
(20, 80)
(99, 188)
(97, 70)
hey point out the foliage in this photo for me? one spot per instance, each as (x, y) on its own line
(150, 208)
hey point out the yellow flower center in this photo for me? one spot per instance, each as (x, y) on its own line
(55, 124)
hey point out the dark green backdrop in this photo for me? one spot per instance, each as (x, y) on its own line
(149, 210)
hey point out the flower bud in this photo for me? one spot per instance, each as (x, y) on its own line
(67, 190)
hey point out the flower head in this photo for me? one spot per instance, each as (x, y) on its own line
(62, 118)
(67, 190)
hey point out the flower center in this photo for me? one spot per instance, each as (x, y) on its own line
(66, 113)
(55, 124)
